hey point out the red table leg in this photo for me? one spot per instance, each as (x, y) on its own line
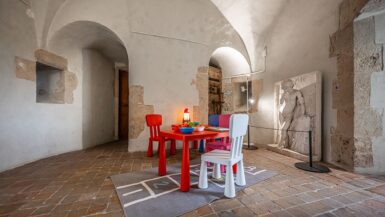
(185, 170)
(162, 158)
(149, 150)
(173, 147)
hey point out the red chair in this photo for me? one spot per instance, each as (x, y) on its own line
(154, 121)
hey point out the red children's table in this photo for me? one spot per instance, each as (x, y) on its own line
(186, 138)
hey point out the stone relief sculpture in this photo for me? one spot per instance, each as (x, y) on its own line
(292, 108)
(298, 108)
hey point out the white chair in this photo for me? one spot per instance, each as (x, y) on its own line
(238, 129)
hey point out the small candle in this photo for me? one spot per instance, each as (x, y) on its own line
(186, 116)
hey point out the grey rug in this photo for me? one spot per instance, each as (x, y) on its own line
(143, 193)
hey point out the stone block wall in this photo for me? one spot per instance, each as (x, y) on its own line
(341, 46)
(369, 90)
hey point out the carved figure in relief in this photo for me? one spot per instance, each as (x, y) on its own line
(292, 107)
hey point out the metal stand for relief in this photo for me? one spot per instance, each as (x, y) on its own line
(248, 146)
(310, 166)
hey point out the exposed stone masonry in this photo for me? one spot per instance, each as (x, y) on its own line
(70, 85)
(51, 59)
(341, 46)
(138, 111)
(369, 85)
(200, 112)
(25, 69)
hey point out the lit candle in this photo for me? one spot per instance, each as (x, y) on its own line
(186, 116)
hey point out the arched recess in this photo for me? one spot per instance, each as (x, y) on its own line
(227, 82)
(99, 58)
(230, 60)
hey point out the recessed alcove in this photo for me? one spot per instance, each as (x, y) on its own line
(49, 84)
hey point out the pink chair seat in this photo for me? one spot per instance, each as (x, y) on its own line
(217, 145)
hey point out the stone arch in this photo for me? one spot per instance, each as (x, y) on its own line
(88, 34)
(96, 55)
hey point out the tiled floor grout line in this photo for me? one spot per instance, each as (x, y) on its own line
(345, 206)
(99, 163)
(247, 206)
(329, 197)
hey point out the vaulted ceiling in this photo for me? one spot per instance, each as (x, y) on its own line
(252, 20)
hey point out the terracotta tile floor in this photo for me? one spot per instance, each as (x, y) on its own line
(77, 184)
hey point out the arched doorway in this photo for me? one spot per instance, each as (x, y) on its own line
(229, 86)
(101, 57)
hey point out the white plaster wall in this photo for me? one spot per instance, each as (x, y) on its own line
(98, 98)
(167, 65)
(28, 130)
(164, 52)
(113, 15)
(298, 43)
(166, 43)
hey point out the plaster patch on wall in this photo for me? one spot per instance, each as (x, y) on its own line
(137, 111)
(200, 112)
(51, 59)
(379, 22)
(379, 153)
(377, 96)
(70, 84)
(25, 69)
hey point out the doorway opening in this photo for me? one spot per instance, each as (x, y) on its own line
(98, 54)
(229, 91)
(123, 105)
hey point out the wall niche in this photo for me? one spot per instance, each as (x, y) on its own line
(49, 84)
